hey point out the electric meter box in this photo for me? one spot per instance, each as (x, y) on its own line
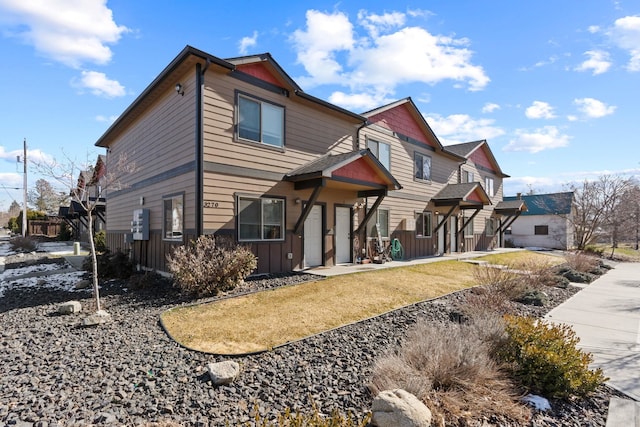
(140, 224)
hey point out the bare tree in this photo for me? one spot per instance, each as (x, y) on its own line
(89, 191)
(597, 208)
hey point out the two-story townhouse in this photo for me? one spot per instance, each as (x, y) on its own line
(235, 147)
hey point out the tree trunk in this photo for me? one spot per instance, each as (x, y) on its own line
(94, 262)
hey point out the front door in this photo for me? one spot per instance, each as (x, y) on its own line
(441, 239)
(313, 238)
(343, 235)
(453, 231)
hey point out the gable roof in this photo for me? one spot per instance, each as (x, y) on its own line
(362, 163)
(186, 60)
(547, 204)
(467, 194)
(468, 150)
(411, 108)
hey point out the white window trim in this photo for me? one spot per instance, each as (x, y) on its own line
(261, 102)
(261, 225)
(164, 218)
(376, 152)
(415, 154)
(423, 235)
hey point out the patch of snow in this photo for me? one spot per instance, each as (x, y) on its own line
(538, 402)
(32, 269)
(64, 281)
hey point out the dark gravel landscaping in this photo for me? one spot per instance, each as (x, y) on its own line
(53, 372)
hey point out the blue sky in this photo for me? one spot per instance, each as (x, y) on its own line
(553, 86)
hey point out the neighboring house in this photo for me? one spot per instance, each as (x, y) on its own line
(90, 191)
(547, 223)
(235, 147)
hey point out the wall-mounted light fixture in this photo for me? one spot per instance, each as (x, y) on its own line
(359, 204)
(297, 200)
(180, 89)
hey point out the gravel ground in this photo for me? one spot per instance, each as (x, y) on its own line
(55, 373)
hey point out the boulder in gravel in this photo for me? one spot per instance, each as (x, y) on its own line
(98, 318)
(223, 373)
(399, 408)
(83, 284)
(70, 307)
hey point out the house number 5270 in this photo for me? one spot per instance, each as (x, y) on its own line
(209, 204)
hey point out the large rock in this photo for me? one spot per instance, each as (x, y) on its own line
(83, 284)
(97, 318)
(70, 307)
(223, 373)
(399, 408)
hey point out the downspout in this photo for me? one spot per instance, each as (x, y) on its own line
(357, 141)
(200, 147)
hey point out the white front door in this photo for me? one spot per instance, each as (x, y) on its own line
(343, 235)
(313, 238)
(441, 240)
(453, 230)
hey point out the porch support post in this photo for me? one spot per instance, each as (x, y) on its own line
(297, 230)
(509, 221)
(381, 195)
(444, 220)
(462, 227)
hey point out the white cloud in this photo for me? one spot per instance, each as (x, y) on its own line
(105, 119)
(546, 138)
(458, 128)
(35, 155)
(490, 107)
(416, 54)
(593, 29)
(98, 84)
(247, 42)
(539, 110)
(598, 62)
(593, 108)
(70, 32)
(626, 34)
(359, 101)
(325, 35)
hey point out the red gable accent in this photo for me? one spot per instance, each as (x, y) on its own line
(474, 197)
(479, 157)
(400, 120)
(259, 71)
(359, 170)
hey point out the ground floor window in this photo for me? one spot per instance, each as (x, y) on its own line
(491, 227)
(468, 230)
(423, 224)
(379, 223)
(173, 217)
(260, 218)
(541, 230)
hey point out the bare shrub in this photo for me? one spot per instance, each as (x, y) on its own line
(210, 264)
(450, 368)
(23, 244)
(582, 262)
(505, 281)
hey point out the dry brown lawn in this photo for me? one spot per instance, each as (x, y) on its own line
(263, 320)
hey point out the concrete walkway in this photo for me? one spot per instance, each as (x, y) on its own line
(606, 317)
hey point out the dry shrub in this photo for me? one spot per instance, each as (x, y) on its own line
(210, 264)
(450, 368)
(23, 244)
(582, 262)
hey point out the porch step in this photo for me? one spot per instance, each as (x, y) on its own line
(623, 413)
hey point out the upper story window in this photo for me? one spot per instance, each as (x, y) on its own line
(260, 121)
(488, 186)
(422, 167)
(173, 217)
(382, 151)
(423, 224)
(260, 218)
(467, 176)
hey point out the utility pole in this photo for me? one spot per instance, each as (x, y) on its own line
(24, 192)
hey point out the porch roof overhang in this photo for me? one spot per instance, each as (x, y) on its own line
(469, 195)
(356, 170)
(511, 209)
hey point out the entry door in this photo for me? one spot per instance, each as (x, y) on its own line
(343, 235)
(441, 239)
(452, 232)
(313, 238)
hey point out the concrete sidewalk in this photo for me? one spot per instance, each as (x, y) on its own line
(606, 317)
